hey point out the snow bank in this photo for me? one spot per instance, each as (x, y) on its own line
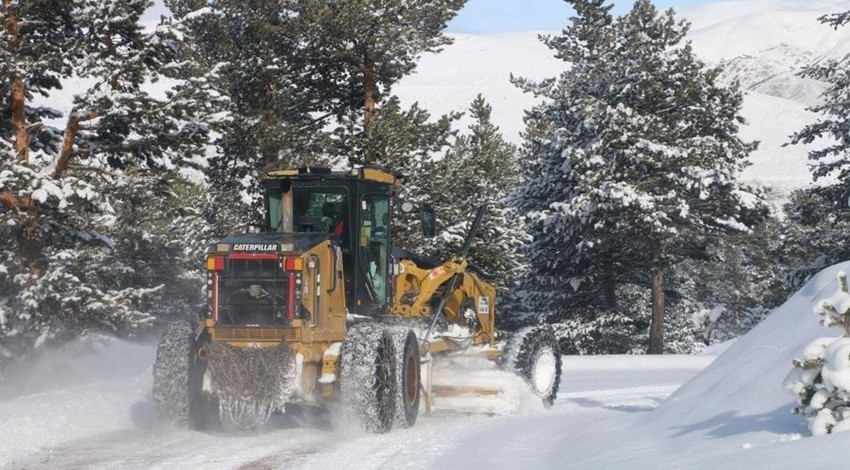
(746, 380)
(738, 403)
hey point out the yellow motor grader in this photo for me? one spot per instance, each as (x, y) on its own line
(322, 308)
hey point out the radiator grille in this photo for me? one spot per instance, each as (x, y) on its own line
(253, 292)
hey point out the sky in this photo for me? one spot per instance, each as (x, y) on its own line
(498, 16)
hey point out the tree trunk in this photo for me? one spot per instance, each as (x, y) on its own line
(369, 102)
(610, 288)
(271, 159)
(18, 111)
(269, 151)
(67, 150)
(17, 97)
(656, 328)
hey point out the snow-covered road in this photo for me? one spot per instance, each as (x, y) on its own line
(111, 424)
(92, 408)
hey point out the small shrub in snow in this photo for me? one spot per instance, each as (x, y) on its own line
(821, 377)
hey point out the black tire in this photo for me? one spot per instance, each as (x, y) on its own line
(176, 379)
(368, 376)
(408, 380)
(534, 354)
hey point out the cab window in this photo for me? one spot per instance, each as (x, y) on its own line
(374, 245)
(320, 210)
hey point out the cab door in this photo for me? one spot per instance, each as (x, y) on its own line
(373, 251)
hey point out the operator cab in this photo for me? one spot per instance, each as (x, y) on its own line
(351, 207)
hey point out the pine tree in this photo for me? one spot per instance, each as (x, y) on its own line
(818, 379)
(638, 166)
(816, 234)
(79, 259)
(283, 92)
(480, 167)
(37, 50)
(547, 180)
(379, 41)
(820, 214)
(742, 280)
(118, 122)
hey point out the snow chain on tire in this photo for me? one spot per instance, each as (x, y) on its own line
(368, 376)
(173, 375)
(408, 380)
(250, 383)
(534, 354)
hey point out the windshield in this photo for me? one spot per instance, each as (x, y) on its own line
(319, 210)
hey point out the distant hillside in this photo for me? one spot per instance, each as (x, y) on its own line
(762, 44)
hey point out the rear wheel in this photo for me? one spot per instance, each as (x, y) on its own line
(368, 376)
(408, 377)
(176, 378)
(533, 353)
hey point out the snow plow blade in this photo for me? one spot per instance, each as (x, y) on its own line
(483, 391)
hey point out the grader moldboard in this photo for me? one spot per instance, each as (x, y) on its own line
(322, 309)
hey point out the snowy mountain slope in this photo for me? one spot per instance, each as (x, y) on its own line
(474, 64)
(727, 29)
(763, 43)
(774, 72)
(770, 120)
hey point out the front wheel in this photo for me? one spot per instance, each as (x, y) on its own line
(533, 353)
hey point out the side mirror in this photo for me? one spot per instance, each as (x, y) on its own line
(429, 222)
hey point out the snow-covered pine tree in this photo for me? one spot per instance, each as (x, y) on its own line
(283, 90)
(64, 208)
(816, 234)
(129, 116)
(157, 253)
(379, 42)
(553, 285)
(36, 52)
(819, 379)
(480, 167)
(640, 160)
(37, 49)
(743, 279)
(821, 214)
